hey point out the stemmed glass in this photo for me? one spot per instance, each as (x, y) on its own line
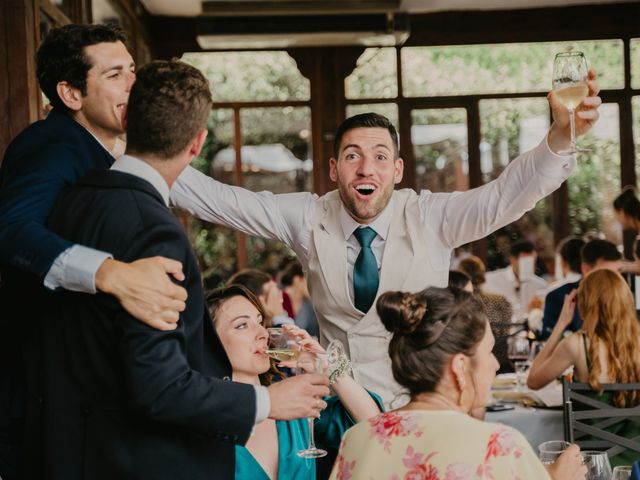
(323, 363)
(518, 348)
(570, 75)
(598, 466)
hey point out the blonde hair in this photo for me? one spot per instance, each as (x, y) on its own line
(608, 313)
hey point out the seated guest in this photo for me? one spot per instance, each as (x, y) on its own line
(441, 352)
(266, 289)
(517, 282)
(239, 321)
(627, 208)
(605, 350)
(595, 254)
(570, 264)
(461, 280)
(295, 286)
(496, 307)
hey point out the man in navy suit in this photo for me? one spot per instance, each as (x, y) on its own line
(87, 73)
(593, 255)
(125, 400)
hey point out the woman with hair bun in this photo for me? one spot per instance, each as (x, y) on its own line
(441, 353)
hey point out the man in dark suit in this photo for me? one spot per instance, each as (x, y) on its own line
(593, 255)
(125, 400)
(87, 73)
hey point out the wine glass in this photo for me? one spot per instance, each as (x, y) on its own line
(281, 345)
(309, 362)
(534, 349)
(598, 466)
(323, 363)
(518, 348)
(548, 452)
(570, 75)
(621, 472)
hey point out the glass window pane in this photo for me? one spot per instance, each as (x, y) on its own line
(439, 138)
(503, 68)
(635, 62)
(389, 110)
(596, 180)
(374, 76)
(276, 156)
(635, 102)
(510, 127)
(276, 152)
(251, 76)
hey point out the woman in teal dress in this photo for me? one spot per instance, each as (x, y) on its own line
(605, 350)
(270, 453)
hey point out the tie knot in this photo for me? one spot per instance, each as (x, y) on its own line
(365, 236)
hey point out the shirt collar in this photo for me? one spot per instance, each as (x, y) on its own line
(143, 170)
(380, 225)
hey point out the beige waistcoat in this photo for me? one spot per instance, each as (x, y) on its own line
(412, 261)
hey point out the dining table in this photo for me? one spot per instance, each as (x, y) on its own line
(536, 414)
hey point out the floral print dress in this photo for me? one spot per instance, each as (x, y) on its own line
(435, 445)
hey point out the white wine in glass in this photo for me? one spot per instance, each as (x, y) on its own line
(283, 354)
(570, 76)
(281, 345)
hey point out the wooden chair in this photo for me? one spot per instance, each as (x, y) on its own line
(587, 418)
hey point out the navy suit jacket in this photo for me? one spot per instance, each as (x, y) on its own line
(552, 308)
(124, 400)
(38, 164)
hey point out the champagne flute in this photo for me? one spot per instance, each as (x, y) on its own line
(598, 466)
(281, 345)
(621, 473)
(319, 362)
(309, 362)
(570, 75)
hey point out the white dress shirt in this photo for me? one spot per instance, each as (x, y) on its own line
(519, 294)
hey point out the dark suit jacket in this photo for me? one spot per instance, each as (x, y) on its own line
(123, 400)
(38, 164)
(552, 308)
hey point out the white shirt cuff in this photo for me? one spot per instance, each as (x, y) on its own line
(75, 269)
(263, 403)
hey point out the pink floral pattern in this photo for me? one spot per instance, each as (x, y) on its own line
(388, 425)
(344, 469)
(421, 445)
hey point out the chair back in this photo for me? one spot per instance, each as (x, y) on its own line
(589, 419)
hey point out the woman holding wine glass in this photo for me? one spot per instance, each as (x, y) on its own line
(271, 452)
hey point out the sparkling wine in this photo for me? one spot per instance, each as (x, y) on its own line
(572, 95)
(283, 355)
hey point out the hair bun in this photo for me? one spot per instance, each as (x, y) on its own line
(401, 312)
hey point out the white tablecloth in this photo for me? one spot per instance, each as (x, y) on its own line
(536, 424)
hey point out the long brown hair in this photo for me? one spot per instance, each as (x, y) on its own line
(608, 313)
(216, 298)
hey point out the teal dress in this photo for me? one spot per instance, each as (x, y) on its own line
(293, 435)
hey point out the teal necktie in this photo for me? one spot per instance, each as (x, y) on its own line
(365, 271)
